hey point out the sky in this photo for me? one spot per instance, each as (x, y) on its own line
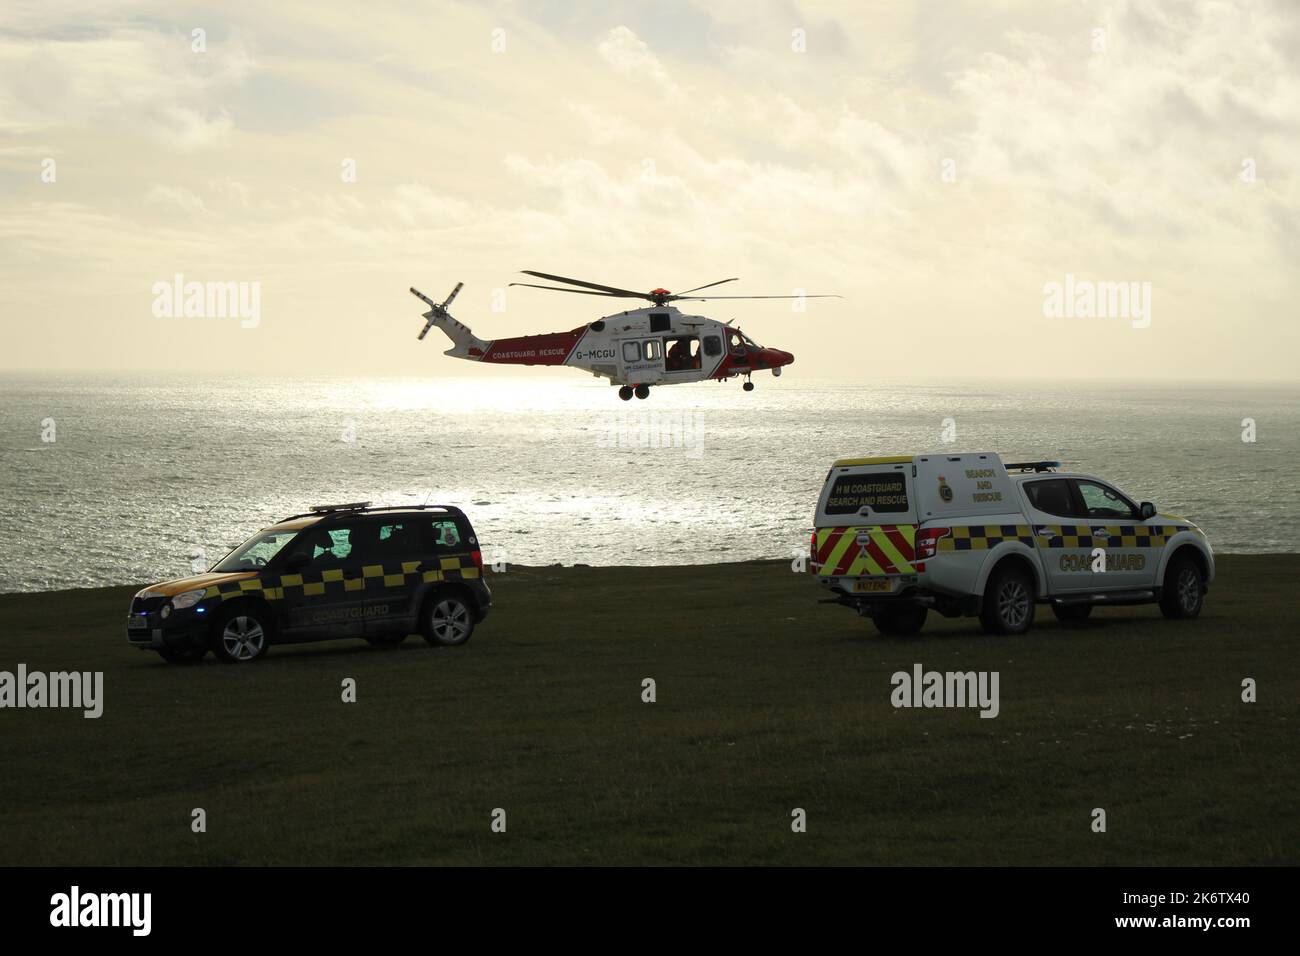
(950, 168)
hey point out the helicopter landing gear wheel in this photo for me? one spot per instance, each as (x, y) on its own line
(643, 391)
(748, 386)
(625, 393)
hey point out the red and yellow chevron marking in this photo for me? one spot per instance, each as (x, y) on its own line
(889, 549)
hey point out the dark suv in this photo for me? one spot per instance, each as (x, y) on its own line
(337, 571)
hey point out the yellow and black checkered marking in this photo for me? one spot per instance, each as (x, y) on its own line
(1107, 536)
(373, 578)
(982, 537)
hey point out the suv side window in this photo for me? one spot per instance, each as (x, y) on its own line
(397, 541)
(445, 534)
(1101, 501)
(1054, 496)
(327, 547)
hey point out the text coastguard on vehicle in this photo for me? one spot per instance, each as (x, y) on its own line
(965, 534)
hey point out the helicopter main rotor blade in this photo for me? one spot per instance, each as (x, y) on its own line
(704, 298)
(699, 287)
(627, 293)
(556, 288)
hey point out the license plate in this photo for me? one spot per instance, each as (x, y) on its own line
(873, 587)
(138, 622)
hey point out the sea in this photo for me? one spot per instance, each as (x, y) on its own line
(110, 478)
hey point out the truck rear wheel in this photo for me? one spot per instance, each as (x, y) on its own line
(1183, 591)
(1008, 606)
(902, 621)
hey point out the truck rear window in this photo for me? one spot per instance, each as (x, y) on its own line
(884, 492)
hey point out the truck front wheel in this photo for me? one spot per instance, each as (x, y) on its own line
(1183, 591)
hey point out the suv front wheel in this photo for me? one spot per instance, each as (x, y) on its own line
(241, 635)
(448, 619)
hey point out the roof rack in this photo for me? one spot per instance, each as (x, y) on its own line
(1031, 465)
(363, 507)
(350, 506)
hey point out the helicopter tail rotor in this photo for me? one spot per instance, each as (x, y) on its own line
(465, 344)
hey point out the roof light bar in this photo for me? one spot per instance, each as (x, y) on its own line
(1032, 465)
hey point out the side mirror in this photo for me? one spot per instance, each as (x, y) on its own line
(1147, 510)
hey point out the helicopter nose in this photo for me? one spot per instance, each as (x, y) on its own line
(780, 358)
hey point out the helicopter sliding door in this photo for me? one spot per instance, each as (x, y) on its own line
(641, 359)
(682, 354)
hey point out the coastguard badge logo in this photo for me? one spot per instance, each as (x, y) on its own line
(945, 490)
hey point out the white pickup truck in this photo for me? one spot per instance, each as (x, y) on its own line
(966, 534)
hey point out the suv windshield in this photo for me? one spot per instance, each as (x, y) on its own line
(256, 551)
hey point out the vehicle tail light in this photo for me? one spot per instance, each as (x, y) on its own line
(812, 551)
(927, 541)
(477, 557)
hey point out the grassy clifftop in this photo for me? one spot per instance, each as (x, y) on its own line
(766, 701)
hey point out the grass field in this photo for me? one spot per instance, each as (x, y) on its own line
(767, 701)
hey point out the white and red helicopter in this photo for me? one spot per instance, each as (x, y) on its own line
(659, 345)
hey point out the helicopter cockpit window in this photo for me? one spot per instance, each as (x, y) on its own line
(682, 354)
(736, 342)
(712, 346)
(631, 351)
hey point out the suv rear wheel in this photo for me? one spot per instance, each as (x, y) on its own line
(448, 619)
(241, 635)
(1008, 606)
(1183, 591)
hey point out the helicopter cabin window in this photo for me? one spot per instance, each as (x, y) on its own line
(631, 351)
(660, 322)
(682, 353)
(653, 349)
(735, 343)
(712, 346)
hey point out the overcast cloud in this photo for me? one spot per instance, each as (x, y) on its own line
(798, 146)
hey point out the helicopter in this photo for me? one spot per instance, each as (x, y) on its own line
(636, 349)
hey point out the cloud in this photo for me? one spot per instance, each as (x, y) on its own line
(131, 77)
(597, 147)
(631, 56)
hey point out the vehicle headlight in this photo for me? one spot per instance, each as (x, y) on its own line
(146, 593)
(187, 599)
